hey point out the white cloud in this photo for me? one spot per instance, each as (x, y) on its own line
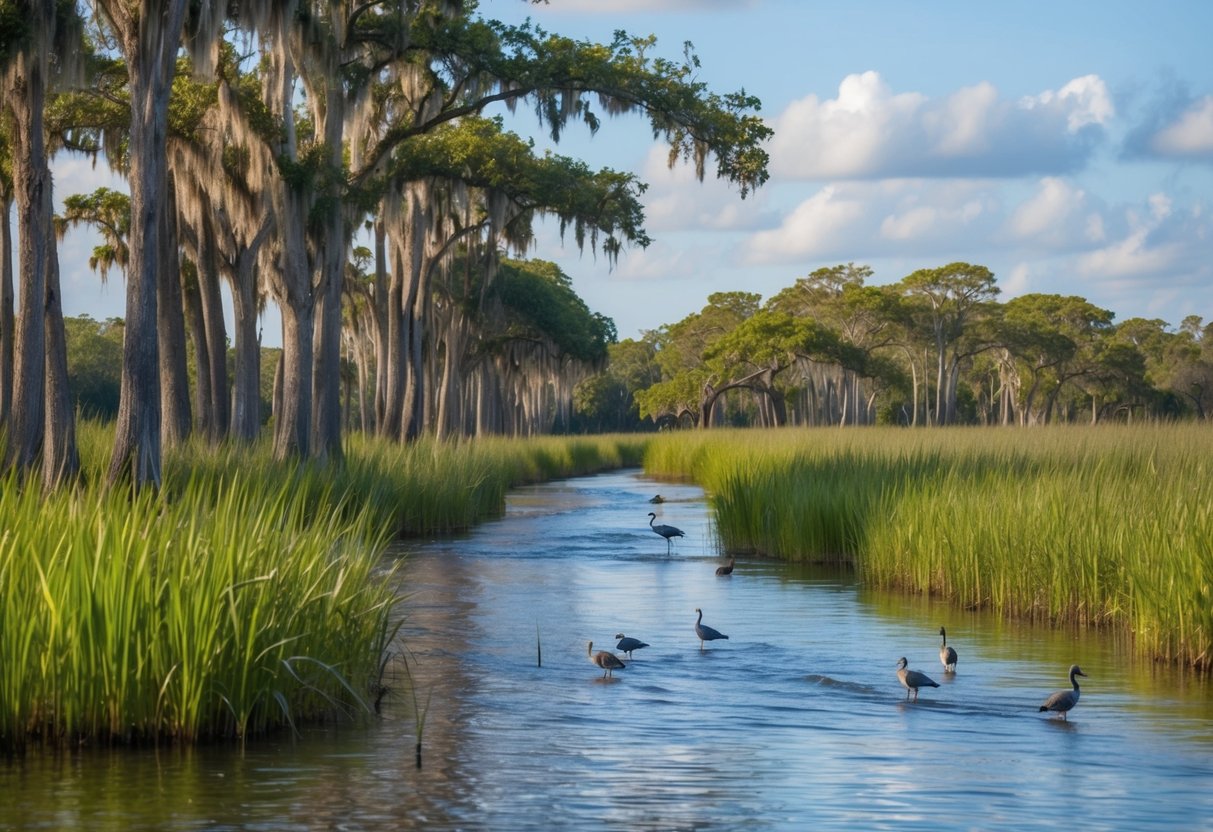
(869, 131)
(1057, 215)
(1137, 253)
(1190, 135)
(813, 229)
(1018, 282)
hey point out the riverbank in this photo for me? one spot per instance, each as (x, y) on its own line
(1107, 526)
(246, 596)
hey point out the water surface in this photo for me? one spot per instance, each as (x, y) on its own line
(796, 720)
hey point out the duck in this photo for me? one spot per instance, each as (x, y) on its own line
(727, 569)
(627, 644)
(1064, 700)
(609, 662)
(947, 655)
(705, 632)
(913, 679)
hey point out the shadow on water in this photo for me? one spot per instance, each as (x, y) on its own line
(797, 719)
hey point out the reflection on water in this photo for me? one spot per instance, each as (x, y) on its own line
(796, 720)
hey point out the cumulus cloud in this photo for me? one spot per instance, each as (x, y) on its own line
(1058, 215)
(861, 220)
(869, 131)
(1190, 135)
(1143, 250)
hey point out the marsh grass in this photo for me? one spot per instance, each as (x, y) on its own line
(246, 596)
(1107, 527)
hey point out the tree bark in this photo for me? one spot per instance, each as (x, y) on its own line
(149, 38)
(175, 415)
(7, 318)
(26, 96)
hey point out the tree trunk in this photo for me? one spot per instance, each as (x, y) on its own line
(7, 318)
(26, 96)
(175, 415)
(60, 457)
(332, 245)
(197, 330)
(379, 313)
(218, 402)
(246, 423)
(149, 40)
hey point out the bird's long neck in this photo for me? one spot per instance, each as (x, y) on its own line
(1074, 679)
(699, 620)
(944, 636)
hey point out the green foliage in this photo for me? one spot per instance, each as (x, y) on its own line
(542, 304)
(94, 360)
(1105, 527)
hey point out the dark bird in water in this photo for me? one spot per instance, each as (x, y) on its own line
(705, 632)
(627, 644)
(727, 569)
(607, 661)
(1063, 700)
(657, 499)
(947, 655)
(667, 532)
(912, 679)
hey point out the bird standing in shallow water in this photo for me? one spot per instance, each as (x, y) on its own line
(627, 644)
(947, 655)
(1063, 700)
(607, 661)
(667, 532)
(912, 679)
(727, 569)
(705, 632)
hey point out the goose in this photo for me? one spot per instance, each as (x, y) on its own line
(912, 679)
(607, 661)
(947, 655)
(1063, 700)
(705, 632)
(627, 644)
(667, 532)
(727, 569)
(657, 499)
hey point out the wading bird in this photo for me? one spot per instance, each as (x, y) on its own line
(667, 532)
(627, 644)
(912, 679)
(1063, 700)
(705, 632)
(607, 661)
(947, 655)
(727, 569)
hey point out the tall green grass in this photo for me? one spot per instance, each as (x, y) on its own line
(1110, 526)
(247, 595)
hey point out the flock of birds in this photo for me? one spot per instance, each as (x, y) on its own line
(1060, 702)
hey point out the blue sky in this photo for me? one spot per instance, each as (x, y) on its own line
(1067, 146)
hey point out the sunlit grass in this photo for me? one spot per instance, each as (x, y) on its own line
(246, 596)
(1109, 526)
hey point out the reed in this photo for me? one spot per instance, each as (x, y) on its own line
(247, 595)
(1107, 527)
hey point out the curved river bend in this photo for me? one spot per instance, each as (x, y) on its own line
(796, 720)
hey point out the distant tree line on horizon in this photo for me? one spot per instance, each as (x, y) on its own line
(935, 348)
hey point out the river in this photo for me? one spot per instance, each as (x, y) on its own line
(796, 721)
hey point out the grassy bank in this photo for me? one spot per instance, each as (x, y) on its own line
(1109, 526)
(248, 595)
